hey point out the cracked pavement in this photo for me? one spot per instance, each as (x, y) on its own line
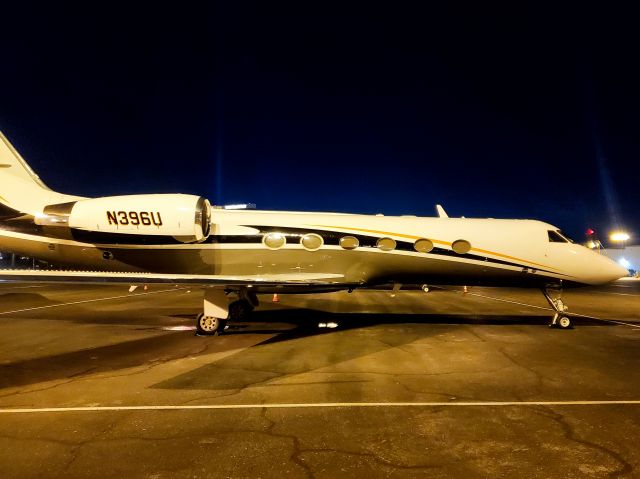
(437, 347)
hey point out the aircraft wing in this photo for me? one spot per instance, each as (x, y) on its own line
(204, 280)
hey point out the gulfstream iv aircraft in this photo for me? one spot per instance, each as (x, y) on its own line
(235, 254)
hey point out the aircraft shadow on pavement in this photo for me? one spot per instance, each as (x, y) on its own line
(308, 319)
(306, 348)
(296, 345)
(26, 300)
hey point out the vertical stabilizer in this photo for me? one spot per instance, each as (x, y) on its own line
(20, 187)
(13, 165)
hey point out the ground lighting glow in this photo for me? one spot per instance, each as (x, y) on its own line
(619, 236)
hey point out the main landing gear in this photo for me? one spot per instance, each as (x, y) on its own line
(219, 310)
(561, 319)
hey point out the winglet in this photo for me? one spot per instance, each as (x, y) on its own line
(441, 212)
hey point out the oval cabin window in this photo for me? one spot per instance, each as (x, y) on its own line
(349, 242)
(311, 241)
(423, 245)
(274, 240)
(386, 244)
(461, 246)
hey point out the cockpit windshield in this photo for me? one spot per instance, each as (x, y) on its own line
(556, 236)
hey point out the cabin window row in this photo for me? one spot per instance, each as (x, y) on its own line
(313, 242)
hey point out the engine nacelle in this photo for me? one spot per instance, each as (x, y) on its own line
(185, 217)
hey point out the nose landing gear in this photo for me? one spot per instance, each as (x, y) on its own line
(561, 318)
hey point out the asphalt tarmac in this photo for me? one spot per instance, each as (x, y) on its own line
(97, 382)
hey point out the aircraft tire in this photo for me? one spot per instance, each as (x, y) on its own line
(240, 310)
(564, 322)
(209, 326)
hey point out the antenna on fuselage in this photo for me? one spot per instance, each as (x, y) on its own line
(441, 212)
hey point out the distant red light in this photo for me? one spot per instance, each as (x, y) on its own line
(590, 232)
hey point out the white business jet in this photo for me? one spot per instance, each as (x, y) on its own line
(235, 254)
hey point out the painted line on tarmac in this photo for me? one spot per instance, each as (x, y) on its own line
(23, 287)
(617, 294)
(195, 407)
(624, 323)
(91, 301)
(618, 322)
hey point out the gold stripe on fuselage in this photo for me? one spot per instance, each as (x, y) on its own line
(446, 243)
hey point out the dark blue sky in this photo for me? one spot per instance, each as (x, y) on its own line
(510, 113)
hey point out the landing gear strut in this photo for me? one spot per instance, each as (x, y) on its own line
(561, 319)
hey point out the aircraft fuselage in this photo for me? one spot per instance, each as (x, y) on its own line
(367, 249)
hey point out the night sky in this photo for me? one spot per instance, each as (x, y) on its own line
(528, 113)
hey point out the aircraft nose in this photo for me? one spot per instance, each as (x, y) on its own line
(622, 271)
(595, 268)
(610, 270)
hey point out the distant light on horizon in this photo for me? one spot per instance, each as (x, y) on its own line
(240, 206)
(619, 236)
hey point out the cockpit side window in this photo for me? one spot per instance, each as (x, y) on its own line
(556, 237)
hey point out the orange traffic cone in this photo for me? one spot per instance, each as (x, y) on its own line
(465, 290)
(275, 299)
